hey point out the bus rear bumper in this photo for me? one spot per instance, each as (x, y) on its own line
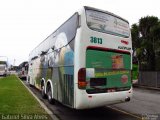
(87, 101)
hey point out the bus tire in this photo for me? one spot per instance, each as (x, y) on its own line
(43, 92)
(49, 95)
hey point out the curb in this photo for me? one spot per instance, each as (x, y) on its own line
(41, 103)
(146, 87)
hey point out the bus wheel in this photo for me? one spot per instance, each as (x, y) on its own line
(43, 92)
(49, 95)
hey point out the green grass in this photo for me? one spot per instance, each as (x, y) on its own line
(135, 72)
(15, 98)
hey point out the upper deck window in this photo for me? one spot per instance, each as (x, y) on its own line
(106, 23)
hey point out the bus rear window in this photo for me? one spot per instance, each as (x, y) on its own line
(107, 23)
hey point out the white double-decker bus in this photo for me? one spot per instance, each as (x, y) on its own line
(86, 62)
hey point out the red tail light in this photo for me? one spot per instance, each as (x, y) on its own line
(82, 78)
(22, 72)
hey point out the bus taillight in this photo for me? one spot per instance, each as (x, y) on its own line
(82, 78)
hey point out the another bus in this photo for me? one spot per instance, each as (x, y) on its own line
(86, 62)
(23, 70)
(3, 68)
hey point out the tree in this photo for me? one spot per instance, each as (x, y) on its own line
(135, 37)
(145, 37)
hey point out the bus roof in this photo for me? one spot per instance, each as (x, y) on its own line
(91, 8)
(23, 63)
(35, 52)
(52, 35)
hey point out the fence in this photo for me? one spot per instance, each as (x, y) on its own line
(149, 78)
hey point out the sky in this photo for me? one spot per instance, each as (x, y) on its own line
(26, 23)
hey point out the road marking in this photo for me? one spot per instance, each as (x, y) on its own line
(122, 111)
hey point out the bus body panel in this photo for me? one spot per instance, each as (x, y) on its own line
(55, 84)
(53, 60)
(108, 44)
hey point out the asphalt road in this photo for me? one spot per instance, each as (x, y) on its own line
(145, 103)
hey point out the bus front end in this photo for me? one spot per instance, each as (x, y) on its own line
(103, 68)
